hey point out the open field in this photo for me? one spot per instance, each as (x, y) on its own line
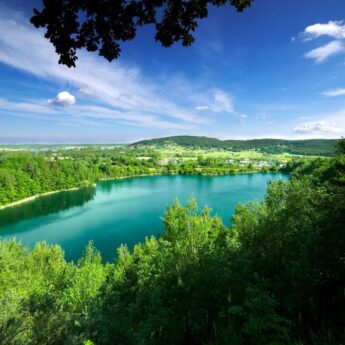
(182, 152)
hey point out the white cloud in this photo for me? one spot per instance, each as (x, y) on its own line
(334, 29)
(317, 128)
(218, 101)
(28, 107)
(86, 114)
(111, 94)
(116, 86)
(334, 93)
(324, 52)
(63, 99)
(202, 107)
(222, 102)
(86, 92)
(129, 118)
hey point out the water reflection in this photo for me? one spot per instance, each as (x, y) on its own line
(106, 186)
(45, 205)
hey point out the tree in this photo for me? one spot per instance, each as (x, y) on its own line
(102, 25)
(341, 146)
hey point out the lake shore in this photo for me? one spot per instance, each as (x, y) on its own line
(31, 198)
(202, 174)
(126, 177)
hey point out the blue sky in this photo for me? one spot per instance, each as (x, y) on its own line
(277, 70)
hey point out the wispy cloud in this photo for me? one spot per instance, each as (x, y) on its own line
(222, 102)
(219, 101)
(317, 128)
(118, 87)
(332, 29)
(326, 51)
(202, 107)
(86, 92)
(334, 93)
(27, 107)
(93, 115)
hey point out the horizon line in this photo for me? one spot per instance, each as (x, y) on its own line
(155, 138)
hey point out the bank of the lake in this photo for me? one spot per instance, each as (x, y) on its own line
(123, 211)
(194, 174)
(35, 196)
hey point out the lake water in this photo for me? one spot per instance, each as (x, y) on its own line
(123, 211)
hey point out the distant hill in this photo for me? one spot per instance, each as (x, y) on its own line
(318, 147)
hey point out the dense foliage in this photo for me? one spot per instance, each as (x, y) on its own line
(317, 147)
(24, 176)
(276, 277)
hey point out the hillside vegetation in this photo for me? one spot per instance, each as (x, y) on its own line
(25, 174)
(276, 277)
(315, 147)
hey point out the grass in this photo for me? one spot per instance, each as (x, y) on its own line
(173, 151)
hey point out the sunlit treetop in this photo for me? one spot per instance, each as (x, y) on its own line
(102, 25)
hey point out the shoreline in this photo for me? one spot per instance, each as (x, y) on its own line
(205, 175)
(33, 197)
(126, 177)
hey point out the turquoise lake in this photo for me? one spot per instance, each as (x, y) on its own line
(123, 211)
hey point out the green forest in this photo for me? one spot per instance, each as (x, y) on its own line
(317, 147)
(28, 173)
(275, 277)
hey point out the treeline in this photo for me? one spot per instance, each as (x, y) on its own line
(276, 277)
(27, 174)
(24, 175)
(314, 147)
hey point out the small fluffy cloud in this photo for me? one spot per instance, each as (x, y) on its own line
(63, 99)
(317, 128)
(334, 29)
(334, 93)
(324, 52)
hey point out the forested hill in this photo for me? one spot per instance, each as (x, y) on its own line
(322, 147)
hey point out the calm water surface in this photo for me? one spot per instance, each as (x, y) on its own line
(123, 211)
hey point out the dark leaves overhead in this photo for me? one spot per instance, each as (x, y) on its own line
(102, 25)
